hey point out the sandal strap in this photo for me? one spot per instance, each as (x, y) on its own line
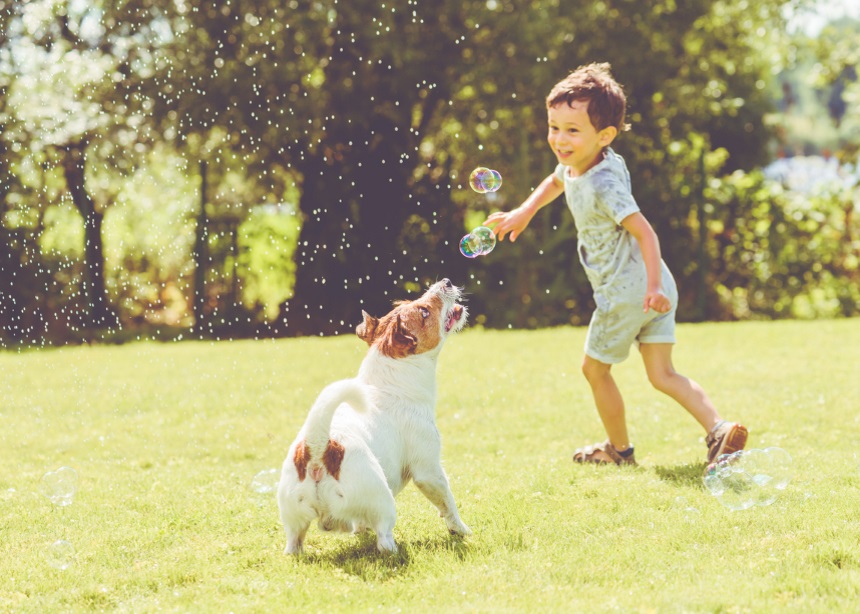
(610, 450)
(586, 454)
(711, 439)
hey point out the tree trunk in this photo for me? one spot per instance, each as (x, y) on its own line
(199, 255)
(93, 286)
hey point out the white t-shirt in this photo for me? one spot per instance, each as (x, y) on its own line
(599, 200)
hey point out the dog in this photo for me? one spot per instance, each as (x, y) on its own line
(365, 438)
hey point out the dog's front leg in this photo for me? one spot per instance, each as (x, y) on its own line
(434, 484)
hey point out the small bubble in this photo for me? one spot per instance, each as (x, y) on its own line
(483, 180)
(60, 555)
(60, 486)
(479, 242)
(266, 481)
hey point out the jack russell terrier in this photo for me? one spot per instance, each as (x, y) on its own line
(366, 437)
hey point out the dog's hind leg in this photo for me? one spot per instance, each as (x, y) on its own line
(382, 518)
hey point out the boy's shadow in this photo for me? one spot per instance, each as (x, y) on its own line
(359, 556)
(683, 475)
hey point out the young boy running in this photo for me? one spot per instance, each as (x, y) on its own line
(634, 291)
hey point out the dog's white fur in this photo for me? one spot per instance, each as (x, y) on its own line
(366, 437)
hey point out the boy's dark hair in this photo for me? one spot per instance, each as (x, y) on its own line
(607, 103)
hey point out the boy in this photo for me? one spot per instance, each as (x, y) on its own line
(634, 291)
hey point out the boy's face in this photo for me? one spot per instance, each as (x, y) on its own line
(574, 140)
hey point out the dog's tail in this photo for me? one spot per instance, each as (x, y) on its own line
(318, 424)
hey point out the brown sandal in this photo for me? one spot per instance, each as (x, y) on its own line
(725, 438)
(591, 454)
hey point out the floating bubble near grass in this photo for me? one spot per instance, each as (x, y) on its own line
(60, 555)
(266, 481)
(484, 180)
(60, 486)
(749, 478)
(480, 242)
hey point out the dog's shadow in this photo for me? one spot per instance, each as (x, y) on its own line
(359, 557)
(683, 475)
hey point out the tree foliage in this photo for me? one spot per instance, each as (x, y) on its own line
(337, 138)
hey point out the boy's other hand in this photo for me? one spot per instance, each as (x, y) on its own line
(657, 301)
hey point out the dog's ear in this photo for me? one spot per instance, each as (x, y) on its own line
(403, 342)
(367, 329)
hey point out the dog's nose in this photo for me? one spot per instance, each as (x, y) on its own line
(447, 283)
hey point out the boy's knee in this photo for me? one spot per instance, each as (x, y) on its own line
(594, 369)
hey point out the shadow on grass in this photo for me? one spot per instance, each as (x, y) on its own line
(682, 475)
(361, 559)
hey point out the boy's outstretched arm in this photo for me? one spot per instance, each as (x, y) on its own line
(516, 220)
(649, 245)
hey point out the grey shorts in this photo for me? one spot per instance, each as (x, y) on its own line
(619, 322)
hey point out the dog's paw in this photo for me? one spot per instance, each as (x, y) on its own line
(385, 543)
(456, 527)
(294, 549)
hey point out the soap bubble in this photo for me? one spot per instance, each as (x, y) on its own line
(60, 554)
(60, 486)
(749, 477)
(470, 246)
(487, 239)
(479, 242)
(266, 482)
(484, 180)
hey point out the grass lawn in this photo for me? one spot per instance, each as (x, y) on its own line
(166, 439)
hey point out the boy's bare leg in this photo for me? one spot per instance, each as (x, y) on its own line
(691, 396)
(608, 399)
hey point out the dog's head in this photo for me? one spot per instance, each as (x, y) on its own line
(415, 327)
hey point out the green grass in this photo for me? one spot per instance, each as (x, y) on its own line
(167, 437)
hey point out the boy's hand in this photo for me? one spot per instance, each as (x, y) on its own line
(657, 301)
(513, 222)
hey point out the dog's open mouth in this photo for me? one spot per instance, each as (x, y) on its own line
(453, 317)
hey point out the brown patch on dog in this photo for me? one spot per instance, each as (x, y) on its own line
(333, 457)
(301, 458)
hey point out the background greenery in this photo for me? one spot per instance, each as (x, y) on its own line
(240, 168)
(166, 439)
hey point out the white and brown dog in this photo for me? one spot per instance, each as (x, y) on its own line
(365, 438)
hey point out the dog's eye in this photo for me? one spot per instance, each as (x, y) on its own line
(425, 313)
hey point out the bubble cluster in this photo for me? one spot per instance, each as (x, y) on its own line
(484, 180)
(60, 486)
(479, 242)
(749, 477)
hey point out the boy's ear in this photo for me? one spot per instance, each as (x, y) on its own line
(607, 135)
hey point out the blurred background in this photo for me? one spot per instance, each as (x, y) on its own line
(245, 168)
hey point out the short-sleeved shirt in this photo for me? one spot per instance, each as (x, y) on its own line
(599, 200)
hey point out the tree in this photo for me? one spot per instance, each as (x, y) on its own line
(371, 115)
